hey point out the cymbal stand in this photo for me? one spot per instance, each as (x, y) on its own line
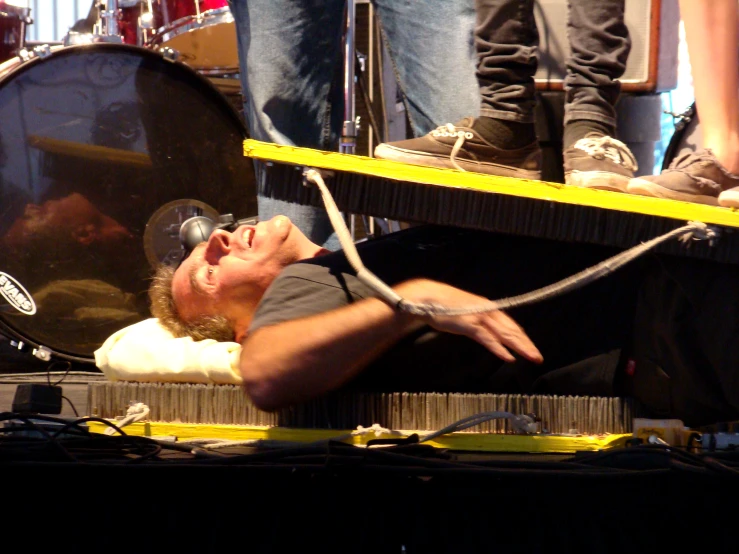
(351, 124)
(107, 24)
(348, 141)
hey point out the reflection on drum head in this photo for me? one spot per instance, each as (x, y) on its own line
(94, 167)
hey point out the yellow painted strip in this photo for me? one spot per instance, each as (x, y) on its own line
(471, 442)
(453, 178)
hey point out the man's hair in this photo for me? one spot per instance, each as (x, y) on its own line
(214, 327)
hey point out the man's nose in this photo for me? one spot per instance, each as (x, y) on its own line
(219, 244)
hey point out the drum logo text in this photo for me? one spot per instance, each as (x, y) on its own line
(16, 295)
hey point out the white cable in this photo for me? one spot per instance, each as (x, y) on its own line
(522, 424)
(693, 230)
(136, 412)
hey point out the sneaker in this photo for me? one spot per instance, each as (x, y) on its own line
(459, 146)
(599, 162)
(692, 177)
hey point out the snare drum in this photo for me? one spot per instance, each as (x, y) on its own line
(104, 150)
(201, 31)
(13, 21)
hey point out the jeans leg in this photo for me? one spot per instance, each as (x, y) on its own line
(600, 45)
(289, 52)
(431, 48)
(507, 43)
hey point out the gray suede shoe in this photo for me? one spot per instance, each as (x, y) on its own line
(599, 162)
(460, 147)
(693, 177)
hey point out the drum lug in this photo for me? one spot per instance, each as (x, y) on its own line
(42, 353)
(41, 51)
(169, 54)
(146, 21)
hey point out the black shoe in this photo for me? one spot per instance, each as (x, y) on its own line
(461, 147)
(599, 162)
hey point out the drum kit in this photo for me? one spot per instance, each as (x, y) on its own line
(108, 142)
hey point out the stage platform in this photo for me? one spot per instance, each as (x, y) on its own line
(334, 497)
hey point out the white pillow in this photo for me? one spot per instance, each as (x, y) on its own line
(147, 352)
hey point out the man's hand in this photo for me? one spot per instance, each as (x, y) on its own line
(495, 330)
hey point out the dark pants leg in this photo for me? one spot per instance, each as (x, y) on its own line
(600, 45)
(507, 40)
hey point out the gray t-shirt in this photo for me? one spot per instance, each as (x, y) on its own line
(580, 346)
(424, 361)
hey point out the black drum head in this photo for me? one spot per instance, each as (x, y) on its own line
(104, 150)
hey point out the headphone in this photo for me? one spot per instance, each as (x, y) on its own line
(198, 229)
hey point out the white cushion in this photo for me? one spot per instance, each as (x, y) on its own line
(147, 352)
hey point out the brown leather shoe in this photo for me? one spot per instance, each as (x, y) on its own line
(693, 177)
(459, 146)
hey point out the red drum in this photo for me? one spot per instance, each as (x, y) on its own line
(132, 29)
(201, 31)
(104, 150)
(13, 21)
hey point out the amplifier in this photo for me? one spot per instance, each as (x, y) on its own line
(654, 29)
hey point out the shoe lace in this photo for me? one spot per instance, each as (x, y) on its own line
(449, 130)
(605, 147)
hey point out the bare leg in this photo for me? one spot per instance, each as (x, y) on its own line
(712, 34)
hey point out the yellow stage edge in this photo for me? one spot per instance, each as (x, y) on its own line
(453, 178)
(469, 442)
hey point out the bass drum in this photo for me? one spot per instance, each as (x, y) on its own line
(687, 136)
(104, 150)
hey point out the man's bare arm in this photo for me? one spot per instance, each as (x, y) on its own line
(296, 360)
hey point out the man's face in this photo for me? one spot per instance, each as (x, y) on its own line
(228, 274)
(72, 217)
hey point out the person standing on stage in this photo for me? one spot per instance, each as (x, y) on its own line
(711, 175)
(503, 141)
(291, 58)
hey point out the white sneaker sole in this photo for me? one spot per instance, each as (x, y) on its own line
(385, 152)
(599, 180)
(648, 188)
(729, 199)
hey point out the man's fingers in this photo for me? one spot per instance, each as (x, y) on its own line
(510, 334)
(489, 341)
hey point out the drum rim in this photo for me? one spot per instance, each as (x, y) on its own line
(192, 22)
(12, 332)
(15, 67)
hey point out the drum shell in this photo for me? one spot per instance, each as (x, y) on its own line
(13, 21)
(119, 132)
